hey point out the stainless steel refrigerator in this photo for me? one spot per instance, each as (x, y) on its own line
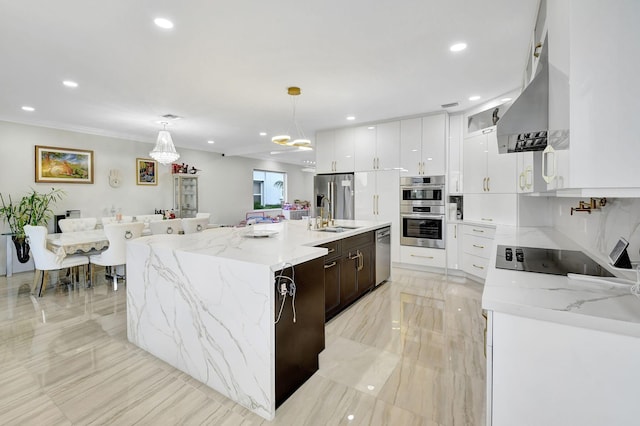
(339, 191)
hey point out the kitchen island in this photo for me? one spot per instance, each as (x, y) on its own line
(559, 351)
(206, 303)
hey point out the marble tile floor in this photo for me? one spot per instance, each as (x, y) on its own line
(409, 353)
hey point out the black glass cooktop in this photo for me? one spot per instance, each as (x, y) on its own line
(548, 261)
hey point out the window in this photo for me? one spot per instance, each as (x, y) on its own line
(269, 189)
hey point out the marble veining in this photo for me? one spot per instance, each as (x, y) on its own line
(557, 298)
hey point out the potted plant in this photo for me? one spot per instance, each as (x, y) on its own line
(33, 209)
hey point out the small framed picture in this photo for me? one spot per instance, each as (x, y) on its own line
(63, 165)
(146, 171)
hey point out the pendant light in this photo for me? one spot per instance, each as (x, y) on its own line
(285, 139)
(164, 152)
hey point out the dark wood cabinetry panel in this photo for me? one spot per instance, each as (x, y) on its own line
(332, 286)
(299, 343)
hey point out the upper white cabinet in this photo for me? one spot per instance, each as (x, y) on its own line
(377, 146)
(335, 151)
(422, 145)
(594, 56)
(485, 170)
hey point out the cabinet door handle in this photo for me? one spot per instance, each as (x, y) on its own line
(478, 246)
(484, 184)
(521, 181)
(488, 130)
(331, 250)
(477, 230)
(455, 232)
(330, 265)
(424, 257)
(457, 190)
(374, 162)
(488, 219)
(528, 177)
(546, 174)
(478, 266)
(360, 260)
(536, 52)
(488, 187)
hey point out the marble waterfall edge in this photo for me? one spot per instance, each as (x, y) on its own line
(206, 316)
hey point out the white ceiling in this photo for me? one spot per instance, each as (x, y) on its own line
(225, 66)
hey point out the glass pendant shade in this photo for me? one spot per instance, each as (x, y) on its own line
(164, 152)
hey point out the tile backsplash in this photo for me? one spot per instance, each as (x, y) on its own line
(600, 230)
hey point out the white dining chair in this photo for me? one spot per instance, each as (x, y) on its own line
(77, 224)
(116, 255)
(45, 260)
(194, 224)
(169, 226)
(203, 215)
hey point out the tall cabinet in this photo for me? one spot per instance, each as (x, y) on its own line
(185, 195)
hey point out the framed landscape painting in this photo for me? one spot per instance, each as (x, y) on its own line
(63, 165)
(146, 171)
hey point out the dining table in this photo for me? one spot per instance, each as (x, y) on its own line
(78, 242)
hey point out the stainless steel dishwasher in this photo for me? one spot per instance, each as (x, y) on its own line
(383, 255)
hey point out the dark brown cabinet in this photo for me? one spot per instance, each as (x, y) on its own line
(299, 343)
(348, 271)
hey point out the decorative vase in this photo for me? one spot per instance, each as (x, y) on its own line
(22, 248)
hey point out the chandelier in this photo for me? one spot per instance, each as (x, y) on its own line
(164, 152)
(285, 139)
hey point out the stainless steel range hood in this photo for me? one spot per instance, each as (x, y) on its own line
(525, 125)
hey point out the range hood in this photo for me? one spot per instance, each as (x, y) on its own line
(525, 125)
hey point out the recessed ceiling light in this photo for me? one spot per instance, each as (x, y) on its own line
(505, 99)
(263, 133)
(211, 142)
(163, 23)
(474, 98)
(28, 108)
(458, 47)
(351, 118)
(70, 83)
(371, 128)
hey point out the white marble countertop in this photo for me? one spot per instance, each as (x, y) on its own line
(605, 307)
(292, 243)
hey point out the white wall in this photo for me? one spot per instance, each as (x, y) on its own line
(600, 230)
(225, 183)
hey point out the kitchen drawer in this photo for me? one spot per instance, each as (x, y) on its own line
(357, 241)
(334, 248)
(477, 246)
(423, 256)
(480, 231)
(475, 265)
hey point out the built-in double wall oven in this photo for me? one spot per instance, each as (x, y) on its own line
(422, 211)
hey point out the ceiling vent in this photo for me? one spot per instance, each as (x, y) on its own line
(171, 117)
(451, 105)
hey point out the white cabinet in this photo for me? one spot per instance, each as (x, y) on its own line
(377, 147)
(528, 165)
(454, 238)
(422, 145)
(491, 208)
(335, 151)
(377, 197)
(422, 256)
(593, 92)
(545, 373)
(485, 170)
(455, 158)
(477, 244)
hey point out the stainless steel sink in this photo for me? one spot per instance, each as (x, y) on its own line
(337, 228)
